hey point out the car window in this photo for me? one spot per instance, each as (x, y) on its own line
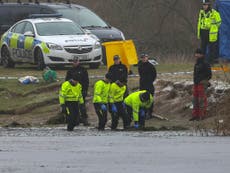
(28, 27)
(18, 28)
(58, 28)
(83, 17)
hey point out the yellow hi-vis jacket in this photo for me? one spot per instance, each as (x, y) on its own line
(116, 93)
(209, 21)
(69, 92)
(133, 100)
(101, 92)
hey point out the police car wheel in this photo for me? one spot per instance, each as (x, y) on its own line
(7, 62)
(40, 60)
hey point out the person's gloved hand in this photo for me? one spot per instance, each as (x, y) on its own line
(142, 112)
(136, 125)
(103, 107)
(114, 108)
(63, 108)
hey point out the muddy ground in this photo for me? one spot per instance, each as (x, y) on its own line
(172, 101)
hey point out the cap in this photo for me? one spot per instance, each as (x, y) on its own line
(143, 55)
(108, 76)
(199, 51)
(116, 57)
(145, 96)
(206, 2)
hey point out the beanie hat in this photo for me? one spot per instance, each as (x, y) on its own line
(143, 55)
(116, 57)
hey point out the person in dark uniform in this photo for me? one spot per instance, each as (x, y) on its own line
(82, 73)
(148, 74)
(118, 70)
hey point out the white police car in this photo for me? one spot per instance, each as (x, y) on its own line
(49, 41)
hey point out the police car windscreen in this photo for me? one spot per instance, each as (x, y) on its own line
(58, 28)
(83, 17)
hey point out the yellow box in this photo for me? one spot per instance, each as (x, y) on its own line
(224, 68)
(125, 49)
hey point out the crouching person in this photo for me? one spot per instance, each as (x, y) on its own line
(137, 104)
(116, 98)
(100, 100)
(70, 98)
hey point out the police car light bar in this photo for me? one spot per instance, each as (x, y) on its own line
(33, 16)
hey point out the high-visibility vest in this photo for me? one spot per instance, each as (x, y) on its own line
(133, 100)
(116, 93)
(209, 21)
(101, 92)
(69, 92)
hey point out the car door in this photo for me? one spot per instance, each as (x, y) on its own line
(29, 35)
(16, 41)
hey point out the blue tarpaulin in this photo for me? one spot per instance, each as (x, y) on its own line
(223, 6)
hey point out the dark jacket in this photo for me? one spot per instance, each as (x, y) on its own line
(82, 74)
(118, 72)
(148, 74)
(202, 71)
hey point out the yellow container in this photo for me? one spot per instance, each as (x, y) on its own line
(224, 68)
(125, 49)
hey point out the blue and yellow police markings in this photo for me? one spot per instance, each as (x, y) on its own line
(6, 39)
(44, 47)
(21, 46)
(14, 41)
(18, 48)
(21, 40)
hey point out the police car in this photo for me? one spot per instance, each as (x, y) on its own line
(49, 41)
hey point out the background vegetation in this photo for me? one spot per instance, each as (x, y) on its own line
(166, 29)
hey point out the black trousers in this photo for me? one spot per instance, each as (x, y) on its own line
(150, 88)
(121, 112)
(83, 113)
(210, 49)
(72, 117)
(102, 116)
(130, 116)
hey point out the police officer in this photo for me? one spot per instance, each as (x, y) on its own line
(148, 74)
(137, 104)
(118, 70)
(82, 73)
(116, 98)
(100, 100)
(70, 97)
(209, 22)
